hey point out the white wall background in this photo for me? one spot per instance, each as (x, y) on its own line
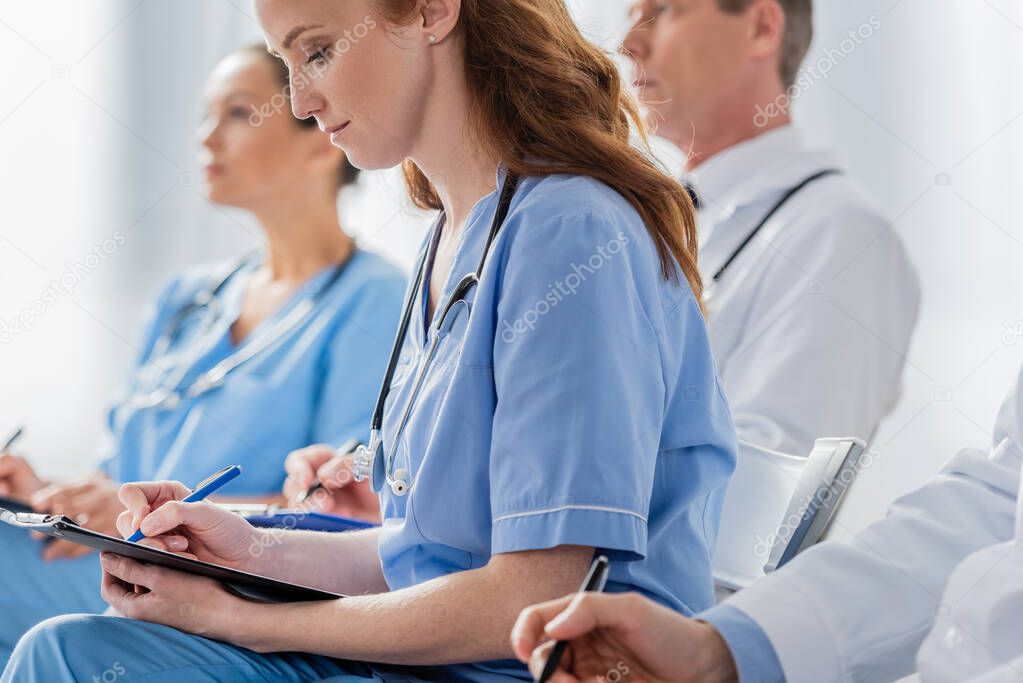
(927, 112)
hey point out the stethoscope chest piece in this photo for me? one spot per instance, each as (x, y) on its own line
(369, 463)
(379, 477)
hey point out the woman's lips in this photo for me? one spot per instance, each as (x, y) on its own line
(336, 131)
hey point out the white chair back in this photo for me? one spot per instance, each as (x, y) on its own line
(777, 505)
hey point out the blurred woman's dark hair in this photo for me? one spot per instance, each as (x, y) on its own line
(347, 174)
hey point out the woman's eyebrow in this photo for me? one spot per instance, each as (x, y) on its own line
(295, 33)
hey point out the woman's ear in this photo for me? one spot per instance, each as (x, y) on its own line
(440, 17)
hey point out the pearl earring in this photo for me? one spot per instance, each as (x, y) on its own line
(433, 38)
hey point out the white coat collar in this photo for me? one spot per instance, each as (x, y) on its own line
(772, 161)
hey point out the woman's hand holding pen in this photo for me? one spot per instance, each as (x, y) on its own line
(199, 530)
(627, 634)
(17, 478)
(340, 495)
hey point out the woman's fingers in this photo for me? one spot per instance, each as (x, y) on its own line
(537, 658)
(175, 544)
(137, 495)
(337, 473)
(96, 498)
(529, 630)
(586, 612)
(171, 543)
(129, 571)
(122, 586)
(301, 466)
(42, 500)
(538, 661)
(291, 489)
(303, 463)
(113, 590)
(11, 465)
(174, 514)
(140, 498)
(572, 617)
(57, 499)
(126, 523)
(16, 475)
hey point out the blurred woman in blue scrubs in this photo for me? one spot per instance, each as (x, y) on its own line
(241, 362)
(552, 391)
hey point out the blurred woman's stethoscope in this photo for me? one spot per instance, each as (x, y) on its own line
(369, 461)
(169, 393)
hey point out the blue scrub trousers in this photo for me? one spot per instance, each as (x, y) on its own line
(32, 590)
(79, 647)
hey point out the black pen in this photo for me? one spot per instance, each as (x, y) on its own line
(15, 435)
(347, 448)
(594, 583)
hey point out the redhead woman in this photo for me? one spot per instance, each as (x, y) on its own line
(551, 393)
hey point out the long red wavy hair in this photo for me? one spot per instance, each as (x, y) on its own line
(544, 92)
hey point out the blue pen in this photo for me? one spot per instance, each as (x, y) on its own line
(206, 487)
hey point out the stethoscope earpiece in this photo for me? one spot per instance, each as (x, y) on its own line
(399, 483)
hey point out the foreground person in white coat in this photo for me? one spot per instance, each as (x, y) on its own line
(810, 296)
(936, 586)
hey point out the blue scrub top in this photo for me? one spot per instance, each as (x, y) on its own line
(579, 404)
(317, 384)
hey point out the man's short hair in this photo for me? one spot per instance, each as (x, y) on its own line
(798, 33)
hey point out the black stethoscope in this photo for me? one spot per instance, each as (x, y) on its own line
(792, 192)
(170, 393)
(370, 462)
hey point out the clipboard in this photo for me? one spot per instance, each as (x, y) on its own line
(243, 584)
(14, 505)
(272, 517)
(830, 469)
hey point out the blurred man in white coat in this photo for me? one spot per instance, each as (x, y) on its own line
(811, 298)
(937, 586)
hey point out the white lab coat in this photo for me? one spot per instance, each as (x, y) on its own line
(946, 557)
(810, 325)
(978, 633)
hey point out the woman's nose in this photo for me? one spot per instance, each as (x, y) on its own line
(635, 44)
(209, 134)
(305, 102)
